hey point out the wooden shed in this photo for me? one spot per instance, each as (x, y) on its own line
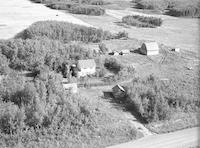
(86, 67)
(118, 91)
(149, 48)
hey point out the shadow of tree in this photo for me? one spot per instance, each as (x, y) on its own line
(122, 104)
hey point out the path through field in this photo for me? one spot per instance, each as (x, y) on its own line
(180, 139)
(16, 15)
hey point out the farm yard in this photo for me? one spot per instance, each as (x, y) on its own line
(70, 67)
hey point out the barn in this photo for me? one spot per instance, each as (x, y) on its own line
(149, 48)
(86, 67)
(118, 91)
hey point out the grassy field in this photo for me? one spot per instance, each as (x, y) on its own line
(174, 7)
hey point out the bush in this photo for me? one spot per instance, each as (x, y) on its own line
(87, 9)
(113, 65)
(142, 21)
(65, 32)
(121, 34)
(4, 65)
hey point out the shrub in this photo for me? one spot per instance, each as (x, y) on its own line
(142, 21)
(4, 65)
(103, 49)
(113, 65)
(87, 9)
(65, 32)
(121, 34)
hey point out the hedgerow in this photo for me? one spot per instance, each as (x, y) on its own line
(87, 10)
(142, 21)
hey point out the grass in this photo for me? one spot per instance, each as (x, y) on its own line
(142, 21)
(177, 8)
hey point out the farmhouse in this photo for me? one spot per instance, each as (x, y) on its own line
(86, 67)
(150, 48)
(72, 87)
(118, 91)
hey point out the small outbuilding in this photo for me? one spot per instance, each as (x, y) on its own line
(125, 51)
(86, 67)
(72, 87)
(114, 53)
(118, 91)
(149, 48)
(176, 49)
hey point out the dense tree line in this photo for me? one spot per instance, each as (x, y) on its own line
(65, 32)
(155, 101)
(31, 55)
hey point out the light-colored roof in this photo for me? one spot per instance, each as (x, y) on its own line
(120, 87)
(125, 51)
(151, 46)
(86, 63)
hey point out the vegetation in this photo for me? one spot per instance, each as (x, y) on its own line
(87, 9)
(40, 113)
(174, 7)
(154, 101)
(31, 54)
(142, 21)
(113, 65)
(65, 32)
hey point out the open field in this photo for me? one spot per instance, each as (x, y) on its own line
(17, 15)
(176, 32)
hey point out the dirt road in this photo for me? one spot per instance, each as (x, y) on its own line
(180, 139)
(16, 15)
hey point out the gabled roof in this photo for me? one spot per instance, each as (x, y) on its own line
(151, 46)
(120, 87)
(86, 63)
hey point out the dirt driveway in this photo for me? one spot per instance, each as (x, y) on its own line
(16, 15)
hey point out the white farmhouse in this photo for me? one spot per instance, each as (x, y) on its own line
(86, 67)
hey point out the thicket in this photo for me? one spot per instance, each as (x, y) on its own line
(155, 101)
(142, 21)
(31, 54)
(64, 32)
(87, 10)
(113, 65)
(40, 113)
(175, 7)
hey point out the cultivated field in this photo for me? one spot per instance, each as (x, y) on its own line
(17, 15)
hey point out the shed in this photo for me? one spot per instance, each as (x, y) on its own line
(125, 51)
(118, 91)
(176, 49)
(115, 53)
(149, 48)
(72, 87)
(86, 67)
